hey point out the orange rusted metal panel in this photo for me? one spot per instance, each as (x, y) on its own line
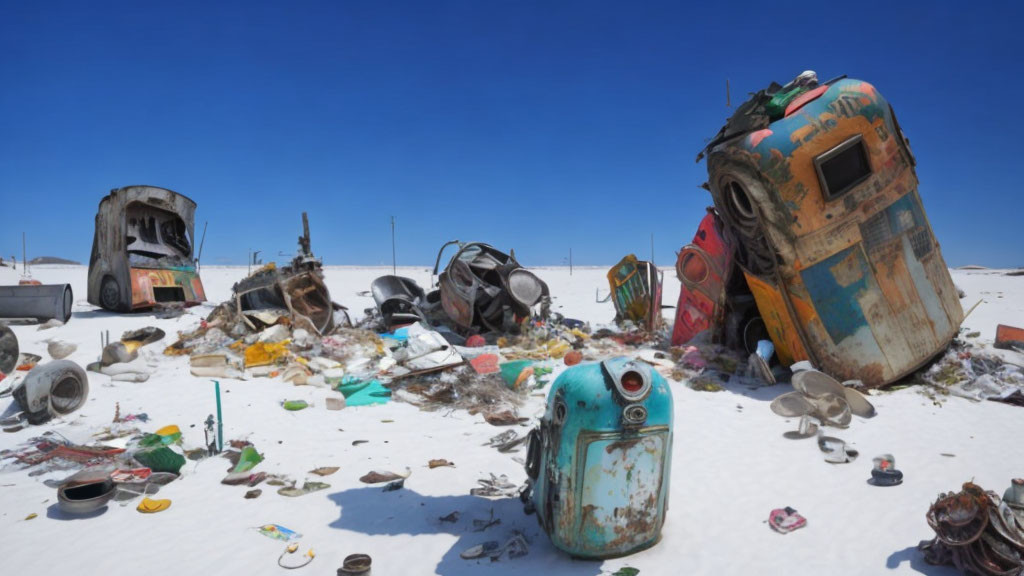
(832, 237)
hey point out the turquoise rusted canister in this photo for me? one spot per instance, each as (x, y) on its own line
(600, 460)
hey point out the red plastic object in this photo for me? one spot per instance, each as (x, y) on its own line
(485, 364)
(475, 341)
(702, 268)
(1009, 337)
(802, 100)
(573, 357)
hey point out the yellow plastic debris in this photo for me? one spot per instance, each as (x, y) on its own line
(151, 506)
(265, 353)
(557, 348)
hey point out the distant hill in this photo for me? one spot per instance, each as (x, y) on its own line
(50, 260)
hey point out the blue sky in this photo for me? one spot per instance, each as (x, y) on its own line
(538, 126)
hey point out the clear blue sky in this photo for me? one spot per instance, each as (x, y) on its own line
(529, 125)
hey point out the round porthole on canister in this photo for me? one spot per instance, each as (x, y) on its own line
(561, 411)
(693, 267)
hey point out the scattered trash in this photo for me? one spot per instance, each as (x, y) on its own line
(51, 390)
(515, 547)
(835, 449)
(325, 470)
(121, 476)
(785, 520)
(972, 375)
(507, 441)
(355, 565)
(482, 525)
(150, 506)
(1009, 338)
(572, 358)
(807, 428)
(439, 463)
(884, 472)
(626, 571)
(53, 323)
(818, 395)
(334, 403)
(450, 518)
(254, 493)
(488, 548)
(759, 360)
(294, 405)
(485, 364)
(59, 350)
(359, 392)
(378, 476)
(495, 487)
(396, 485)
(307, 488)
(85, 492)
(976, 531)
(31, 516)
(160, 459)
(278, 532)
(291, 549)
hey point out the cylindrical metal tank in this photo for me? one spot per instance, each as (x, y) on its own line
(42, 302)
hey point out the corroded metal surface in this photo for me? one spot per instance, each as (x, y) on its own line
(600, 482)
(851, 278)
(142, 250)
(703, 268)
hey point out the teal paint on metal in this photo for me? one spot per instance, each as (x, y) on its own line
(600, 461)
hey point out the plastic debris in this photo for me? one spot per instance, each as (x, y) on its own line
(785, 520)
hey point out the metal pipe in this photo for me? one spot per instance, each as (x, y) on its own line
(42, 302)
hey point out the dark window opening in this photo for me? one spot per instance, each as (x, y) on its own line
(169, 294)
(843, 167)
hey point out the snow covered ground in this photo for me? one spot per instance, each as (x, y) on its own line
(731, 465)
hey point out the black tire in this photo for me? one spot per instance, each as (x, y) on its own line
(110, 295)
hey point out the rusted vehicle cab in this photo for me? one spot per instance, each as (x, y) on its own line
(816, 183)
(142, 250)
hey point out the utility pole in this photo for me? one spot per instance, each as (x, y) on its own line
(394, 265)
(570, 260)
(24, 260)
(652, 247)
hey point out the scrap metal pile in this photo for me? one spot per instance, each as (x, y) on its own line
(977, 531)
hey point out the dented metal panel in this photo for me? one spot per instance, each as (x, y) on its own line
(834, 240)
(703, 268)
(636, 292)
(600, 462)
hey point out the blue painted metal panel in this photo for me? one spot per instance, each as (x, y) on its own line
(602, 475)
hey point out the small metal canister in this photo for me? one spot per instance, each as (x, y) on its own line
(600, 461)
